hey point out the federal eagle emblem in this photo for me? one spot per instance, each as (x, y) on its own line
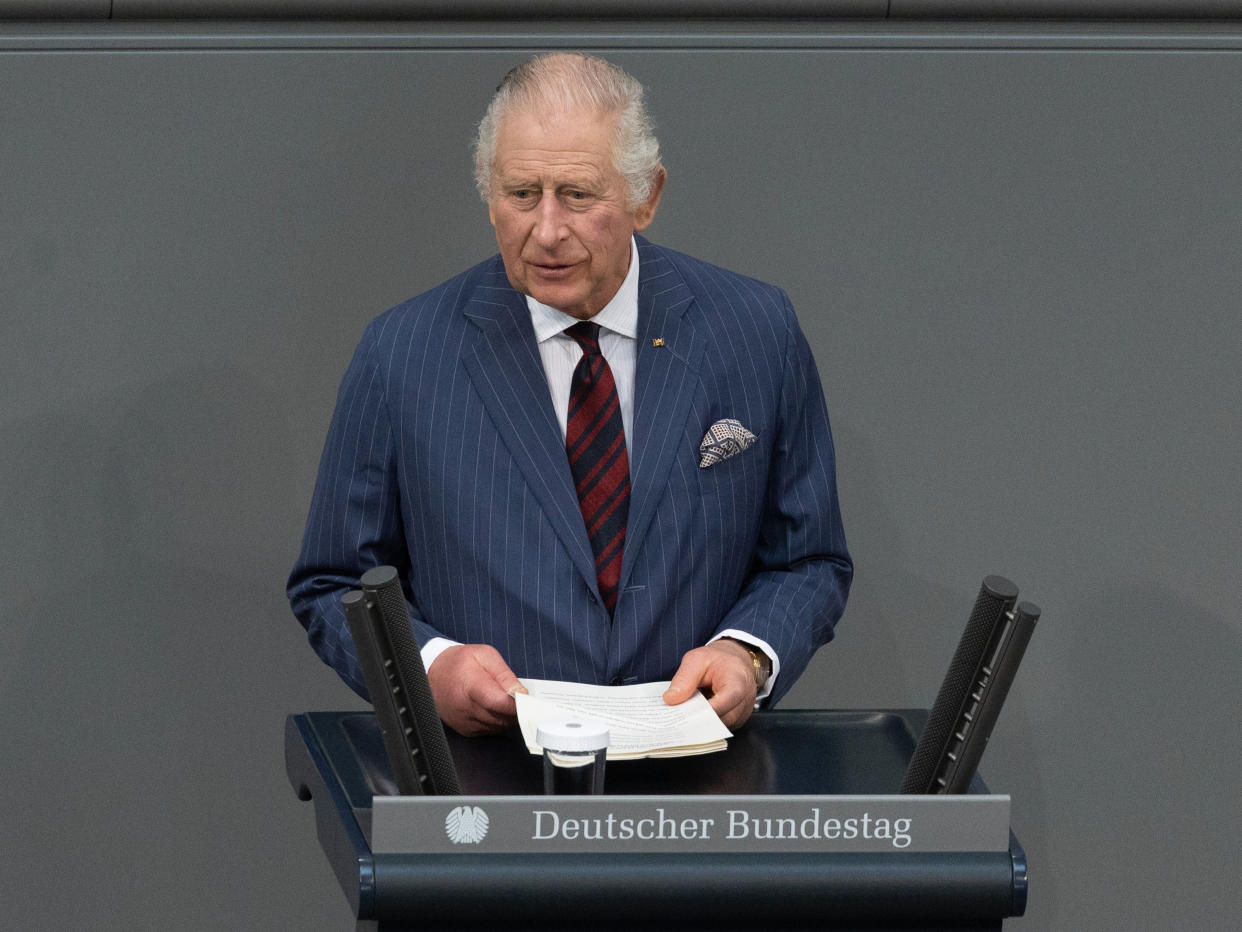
(466, 825)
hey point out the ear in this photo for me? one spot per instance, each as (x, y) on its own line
(646, 210)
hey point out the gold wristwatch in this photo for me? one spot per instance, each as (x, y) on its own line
(762, 664)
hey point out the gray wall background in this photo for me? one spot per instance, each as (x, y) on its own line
(1015, 252)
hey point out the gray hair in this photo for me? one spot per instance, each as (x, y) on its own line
(562, 79)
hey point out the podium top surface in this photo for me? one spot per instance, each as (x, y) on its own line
(787, 753)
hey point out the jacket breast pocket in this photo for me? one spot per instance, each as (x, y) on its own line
(738, 479)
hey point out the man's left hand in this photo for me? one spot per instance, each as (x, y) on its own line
(725, 672)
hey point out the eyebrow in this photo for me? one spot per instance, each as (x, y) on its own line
(518, 179)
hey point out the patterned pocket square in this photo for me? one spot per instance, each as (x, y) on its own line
(723, 439)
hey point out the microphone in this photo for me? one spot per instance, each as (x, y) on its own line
(392, 667)
(972, 692)
(983, 705)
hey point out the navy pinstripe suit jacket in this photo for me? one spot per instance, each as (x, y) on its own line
(445, 460)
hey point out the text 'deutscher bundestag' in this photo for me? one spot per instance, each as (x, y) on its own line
(621, 824)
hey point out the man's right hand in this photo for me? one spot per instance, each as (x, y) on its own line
(472, 685)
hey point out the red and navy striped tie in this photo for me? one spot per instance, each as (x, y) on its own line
(595, 441)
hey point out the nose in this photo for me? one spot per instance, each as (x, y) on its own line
(550, 227)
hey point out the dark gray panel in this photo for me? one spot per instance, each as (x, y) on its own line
(608, 37)
(1014, 250)
(54, 9)
(490, 9)
(1064, 9)
(609, 9)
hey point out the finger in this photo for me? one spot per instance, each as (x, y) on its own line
(732, 687)
(491, 661)
(483, 718)
(686, 680)
(490, 701)
(736, 717)
(472, 727)
(726, 696)
(731, 705)
(487, 722)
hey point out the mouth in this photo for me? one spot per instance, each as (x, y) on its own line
(551, 270)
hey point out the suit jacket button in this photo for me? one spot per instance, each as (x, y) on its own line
(617, 681)
(592, 596)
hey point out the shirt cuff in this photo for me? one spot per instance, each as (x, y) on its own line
(435, 647)
(763, 646)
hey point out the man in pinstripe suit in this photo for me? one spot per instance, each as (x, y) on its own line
(447, 454)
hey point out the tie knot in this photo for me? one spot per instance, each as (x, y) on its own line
(587, 335)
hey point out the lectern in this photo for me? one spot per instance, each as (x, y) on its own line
(791, 828)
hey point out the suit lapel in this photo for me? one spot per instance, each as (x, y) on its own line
(665, 384)
(505, 367)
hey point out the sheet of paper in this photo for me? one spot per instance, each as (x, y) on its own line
(639, 722)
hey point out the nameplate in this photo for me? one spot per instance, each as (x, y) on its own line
(684, 824)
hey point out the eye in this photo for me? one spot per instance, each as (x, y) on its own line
(523, 198)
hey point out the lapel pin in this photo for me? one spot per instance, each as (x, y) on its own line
(657, 341)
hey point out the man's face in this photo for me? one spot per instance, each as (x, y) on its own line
(559, 209)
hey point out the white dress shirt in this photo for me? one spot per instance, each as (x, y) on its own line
(618, 342)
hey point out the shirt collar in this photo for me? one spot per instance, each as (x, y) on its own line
(620, 315)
